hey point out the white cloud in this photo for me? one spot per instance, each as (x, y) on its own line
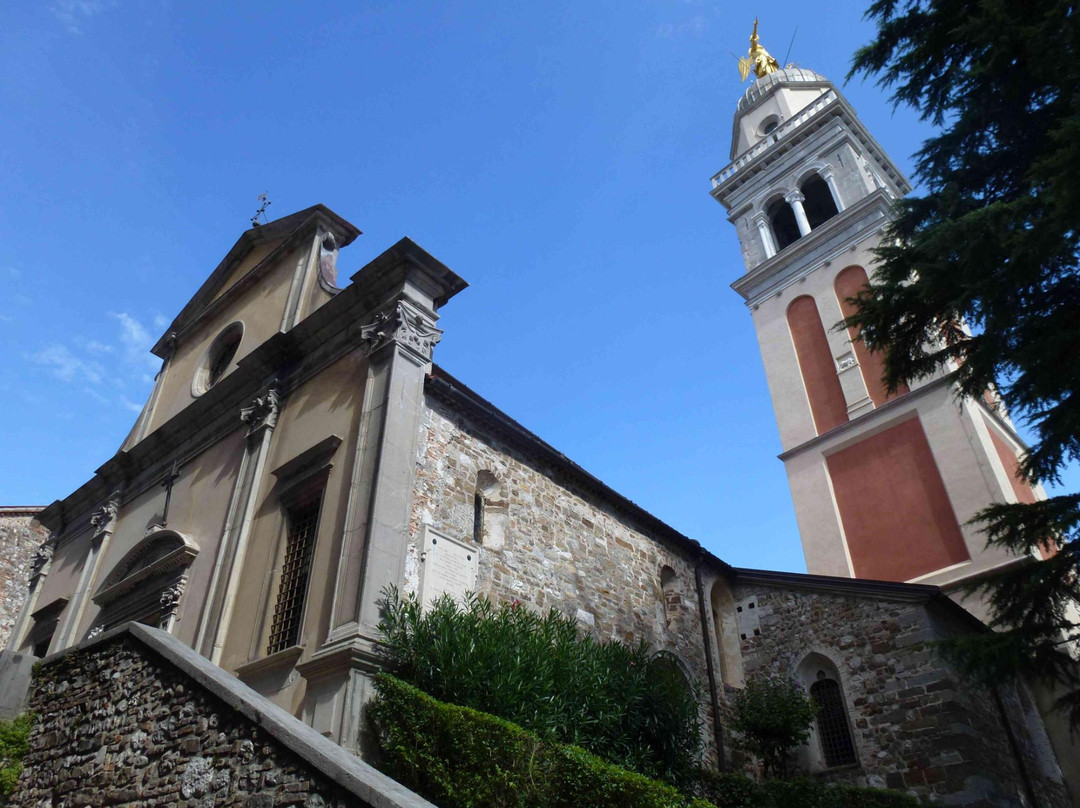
(98, 348)
(67, 367)
(161, 322)
(130, 405)
(135, 341)
(73, 14)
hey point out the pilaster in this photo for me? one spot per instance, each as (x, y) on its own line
(103, 521)
(260, 416)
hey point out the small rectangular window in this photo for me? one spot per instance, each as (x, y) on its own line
(302, 521)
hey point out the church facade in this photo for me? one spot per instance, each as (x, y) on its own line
(300, 453)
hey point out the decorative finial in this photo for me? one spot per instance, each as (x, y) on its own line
(757, 59)
(264, 203)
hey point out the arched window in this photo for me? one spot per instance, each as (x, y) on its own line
(670, 589)
(831, 743)
(782, 218)
(491, 511)
(832, 728)
(827, 403)
(818, 201)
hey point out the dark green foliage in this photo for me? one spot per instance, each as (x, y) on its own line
(618, 701)
(462, 758)
(458, 757)
(981, 273)
(14, 744)
(773, 716)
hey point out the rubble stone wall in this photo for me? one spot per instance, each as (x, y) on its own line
(120, 724)
(917, 726)
(20, 536)
(561, 547)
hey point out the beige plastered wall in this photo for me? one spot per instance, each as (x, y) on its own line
(260, 310)
(328, 404)
(64, 571)
(197, 509)
(784, 103)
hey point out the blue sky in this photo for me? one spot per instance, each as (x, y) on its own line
(556, 155)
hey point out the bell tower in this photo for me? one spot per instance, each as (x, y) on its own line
(883, 485)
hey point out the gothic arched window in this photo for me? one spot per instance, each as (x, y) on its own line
(833, 733)
(782, 218)
(818, 201)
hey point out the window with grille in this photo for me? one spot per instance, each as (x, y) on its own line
(836, 743)
(295, 569)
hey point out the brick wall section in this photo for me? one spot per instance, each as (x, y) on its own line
(915, 726)
(20, 536)
(562, 548)
(118, 725)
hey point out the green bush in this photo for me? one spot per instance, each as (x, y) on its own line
(736, 791)
(14, 744)
(772, 716)
(618, 701)
(459, 757)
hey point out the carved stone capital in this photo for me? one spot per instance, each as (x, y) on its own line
(104, 518)
(262, 412)
(826, 173)
(406, 325)
(42, 560)
(95, 631)
(791, 197)
(170, 597)
(760, 219)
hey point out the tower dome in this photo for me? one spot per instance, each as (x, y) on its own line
(788, 76)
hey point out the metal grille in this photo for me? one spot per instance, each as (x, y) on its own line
(832, 723)
(299, 546)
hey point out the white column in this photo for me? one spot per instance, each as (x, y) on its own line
(830, 180)
(766, 235)
(795, 199)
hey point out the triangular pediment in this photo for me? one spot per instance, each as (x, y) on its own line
(250, 255)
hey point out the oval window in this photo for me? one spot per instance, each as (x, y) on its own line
(768, 126)
(218, 358)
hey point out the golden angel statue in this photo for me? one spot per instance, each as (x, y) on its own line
(757, 59)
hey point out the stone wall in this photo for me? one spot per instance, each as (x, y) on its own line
(916, 724)
(561, 547)
(20, 536)
(135, 717)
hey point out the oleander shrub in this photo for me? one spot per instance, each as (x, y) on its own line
(618, 701)
(459, 757)
(14, 744)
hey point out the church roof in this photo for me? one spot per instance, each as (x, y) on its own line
(766, 84)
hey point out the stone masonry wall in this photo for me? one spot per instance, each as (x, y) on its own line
(561, 548)
(20, 536)
(916, 724)
(118, 725)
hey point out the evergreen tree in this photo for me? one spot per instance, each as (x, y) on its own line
(979, 276)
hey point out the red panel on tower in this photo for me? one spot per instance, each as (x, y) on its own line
(849, 282)
(896, 513)
(827, 403)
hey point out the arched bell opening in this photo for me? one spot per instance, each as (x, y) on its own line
(784, 226)
(818, 201)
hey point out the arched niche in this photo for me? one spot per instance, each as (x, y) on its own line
(669, 588)
(491, 510)
(147, 583)
(849, 282)
(831, 743)
(726, 632)
(823, 390)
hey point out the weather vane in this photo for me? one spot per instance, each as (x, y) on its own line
(264, 203)
(757, 59)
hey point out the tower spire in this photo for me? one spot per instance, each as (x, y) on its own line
(757, 59)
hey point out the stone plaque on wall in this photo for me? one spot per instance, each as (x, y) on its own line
(447, 566)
